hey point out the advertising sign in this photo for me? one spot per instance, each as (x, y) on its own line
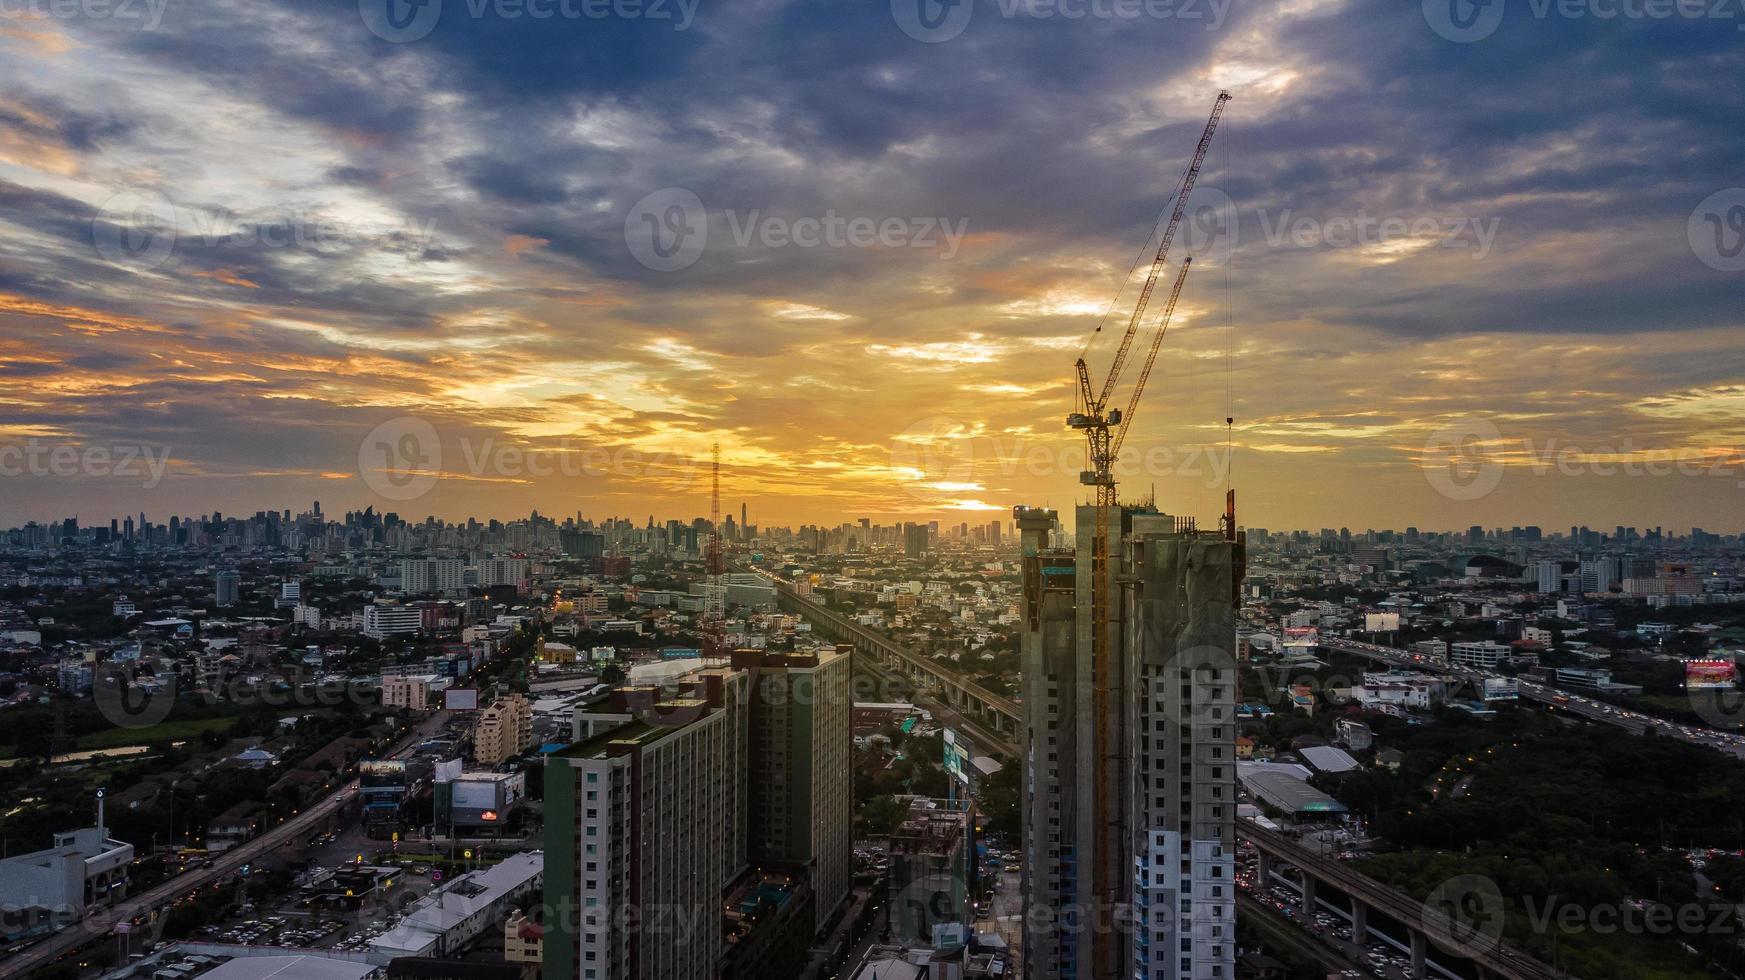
(1381, 622)
(1501, 689)
(1710, 674)
(959, 754)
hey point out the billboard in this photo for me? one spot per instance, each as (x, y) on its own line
(460, 699)
(382, 768)
(1710, 674)
(1381, 622)
(474, 794)
(484, 802)
(959, 754)
(1301, 641)
(1502, 689)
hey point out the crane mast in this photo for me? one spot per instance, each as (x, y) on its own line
(1101, 444)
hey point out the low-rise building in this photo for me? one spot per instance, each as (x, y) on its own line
(49, 889)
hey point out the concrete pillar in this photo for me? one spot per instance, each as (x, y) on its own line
(1263, 871)
(1308, 893)
(1419, 948)
(1359, 921)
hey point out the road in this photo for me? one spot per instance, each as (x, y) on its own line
(100, 922)
(1583, 707)
(1280, 930)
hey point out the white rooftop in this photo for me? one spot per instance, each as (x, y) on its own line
(1328, 758)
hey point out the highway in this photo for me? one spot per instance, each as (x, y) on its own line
(1284, 933)
(1497, 958)
(100, 922)
(1583, 707)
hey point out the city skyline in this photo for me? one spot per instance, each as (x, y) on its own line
(273, 235)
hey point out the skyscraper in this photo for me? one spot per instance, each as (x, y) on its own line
(801, 768)
(226, 586)
(645, 828)
(1168, 786)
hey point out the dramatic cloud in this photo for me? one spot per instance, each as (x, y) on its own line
(289, 243)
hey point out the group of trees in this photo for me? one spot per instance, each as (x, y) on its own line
(1557, 816)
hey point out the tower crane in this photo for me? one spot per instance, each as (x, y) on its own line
(1102, 442)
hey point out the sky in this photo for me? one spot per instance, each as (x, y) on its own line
(1452, 264)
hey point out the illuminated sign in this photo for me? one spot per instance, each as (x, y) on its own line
(1710, 674)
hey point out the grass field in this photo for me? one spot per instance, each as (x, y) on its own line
(164, 731)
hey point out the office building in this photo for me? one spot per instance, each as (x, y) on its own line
(381, 622)
(1162, 768)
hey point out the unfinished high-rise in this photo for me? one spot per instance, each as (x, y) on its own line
(1153, 895)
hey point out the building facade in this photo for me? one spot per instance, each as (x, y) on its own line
(505, 730)
(1152, 896)
(632, 816)
(801, 767)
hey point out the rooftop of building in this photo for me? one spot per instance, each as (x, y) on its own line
(634, 734)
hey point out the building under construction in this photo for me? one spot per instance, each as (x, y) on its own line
(1129, 814)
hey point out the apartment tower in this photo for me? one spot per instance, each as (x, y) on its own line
(1167, 853)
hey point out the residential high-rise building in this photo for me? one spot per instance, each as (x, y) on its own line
(1167, 779)
(505, 730)
(648, 817)
(801, 767)
(226, 587)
